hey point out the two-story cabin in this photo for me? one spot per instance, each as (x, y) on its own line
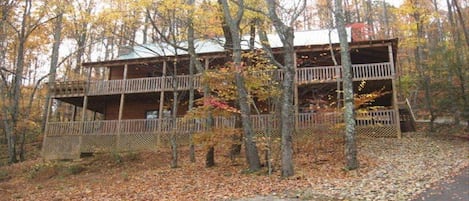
(128, 106)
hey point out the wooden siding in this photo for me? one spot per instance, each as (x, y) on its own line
(132, 109)
(116, 73)
(135, 107)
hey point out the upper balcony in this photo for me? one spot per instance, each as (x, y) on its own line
(304, 75)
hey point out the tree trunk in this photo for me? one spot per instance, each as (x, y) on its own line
(348, 16)
(81, 43)
(252, 155)
(173, 140)
(27, 111)
(461, 21)
(459, 67)
(81, 36)
(226, 29)
(287, 126)
(18, 82)
(286, 34)
(386, 20)
(53, 64)
(193, 60)
(145, 30)
(4, 93)
(357, 10)
(191, 98)
(369, 20)
(209, 157)
(349, 115)
(421, 67)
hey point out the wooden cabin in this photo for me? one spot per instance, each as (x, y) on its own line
(127, 107)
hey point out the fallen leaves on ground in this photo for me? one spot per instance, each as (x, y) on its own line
(391, 169)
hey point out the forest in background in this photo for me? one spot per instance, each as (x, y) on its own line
(44, 41)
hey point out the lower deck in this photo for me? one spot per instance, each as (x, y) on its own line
(67, 140)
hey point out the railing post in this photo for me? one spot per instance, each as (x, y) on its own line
(394, 92)
(338, 77)
(161, 104)
(46, 127)
(121, 108)
(295, 90)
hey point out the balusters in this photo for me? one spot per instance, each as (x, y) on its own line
(139, 85)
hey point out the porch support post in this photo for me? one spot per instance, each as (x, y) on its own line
(338, 77)
(295, 91)
(121, 107)
(394, 93)
(48, 114)
(83, 115)
(83, 119)
(46, 127)
(74, 113)
(85, 99)
(160, 111)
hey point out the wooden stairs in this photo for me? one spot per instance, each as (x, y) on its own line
(406, 116)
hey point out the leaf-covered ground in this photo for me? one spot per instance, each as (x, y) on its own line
(391, 169)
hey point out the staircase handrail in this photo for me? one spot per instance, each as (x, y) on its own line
(410, 109)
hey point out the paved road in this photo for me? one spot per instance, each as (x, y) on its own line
(455, 188)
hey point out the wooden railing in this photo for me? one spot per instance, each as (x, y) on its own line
(64, 128)
(105, 87)
(372, 71)
(183, 125)
(332, 73)
(67, 88)
(263, 121)
(182, 82)
(140, 85)
(303, 120)
(318, 74)
(136, 126)
(309, 120)
(378, 117)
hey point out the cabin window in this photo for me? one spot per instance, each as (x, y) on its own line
(166, 113)
(152, 114)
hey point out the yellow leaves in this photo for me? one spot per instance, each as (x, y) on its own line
(207, 18)
(258, 5)
(258, 75)
(412, 15)
(27, 124)
(179, 6)
(362, 100)
(362, 85)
